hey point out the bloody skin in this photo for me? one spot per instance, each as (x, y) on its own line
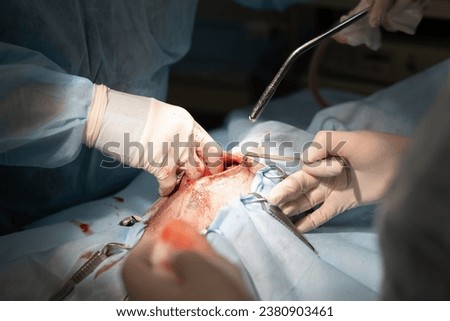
(198, 201)
(195, 202)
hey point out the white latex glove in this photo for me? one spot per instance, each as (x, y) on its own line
(145, 133)
(341, 170)
(392, 15)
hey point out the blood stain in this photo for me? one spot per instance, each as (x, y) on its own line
(119, 199)
(85, 228)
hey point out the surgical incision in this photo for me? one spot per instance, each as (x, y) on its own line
(198, 201)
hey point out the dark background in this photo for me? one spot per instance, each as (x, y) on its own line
(237, 50)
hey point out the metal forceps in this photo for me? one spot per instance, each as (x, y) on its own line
(278, 214)
(272, 87)
(87, 268)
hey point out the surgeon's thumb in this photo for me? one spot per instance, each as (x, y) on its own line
(194, 168)
(167, 184)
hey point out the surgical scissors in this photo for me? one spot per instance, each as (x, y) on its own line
(272, 87)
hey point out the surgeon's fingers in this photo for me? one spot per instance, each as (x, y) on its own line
(328, 167)
(167, 180)
(189, 164)
(378, 12)
(327, 144)
(194, 167)
(324, 144)
(291, 187)
(320, 216)
(302, 202)
(213, 156)
(209, 151)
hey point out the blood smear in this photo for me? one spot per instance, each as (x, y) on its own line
(85, 228)
(119, 199)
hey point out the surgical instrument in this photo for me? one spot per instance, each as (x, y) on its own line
(292, 159)
(278, 215)
(87, 268)
(272, 87)
(295, 158)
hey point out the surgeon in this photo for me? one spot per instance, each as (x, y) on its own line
(343, 170)
(82, 86)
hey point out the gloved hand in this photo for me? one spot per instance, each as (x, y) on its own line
(199, 278)
(392, 15)
(145, 133)
(341, 170)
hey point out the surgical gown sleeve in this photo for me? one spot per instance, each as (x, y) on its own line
(42, 109)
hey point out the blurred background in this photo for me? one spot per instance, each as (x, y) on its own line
(236, 51)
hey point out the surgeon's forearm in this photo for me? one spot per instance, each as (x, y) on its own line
(42, 115)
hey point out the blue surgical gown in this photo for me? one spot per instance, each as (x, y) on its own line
(51, 54)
